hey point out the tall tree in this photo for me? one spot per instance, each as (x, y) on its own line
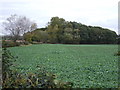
(55, 29)
(18, 25)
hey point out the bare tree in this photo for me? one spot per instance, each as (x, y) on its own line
(18, 25)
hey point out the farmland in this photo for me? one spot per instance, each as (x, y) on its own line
(84, 65)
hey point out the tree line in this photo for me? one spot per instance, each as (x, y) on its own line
(58, 30)
(67, 32)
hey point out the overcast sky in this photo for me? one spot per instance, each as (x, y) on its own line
(102, 13)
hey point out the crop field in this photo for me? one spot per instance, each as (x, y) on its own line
(93, 66)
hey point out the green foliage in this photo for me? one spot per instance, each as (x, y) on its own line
(33, 80)
(118, 39)
(28, 37)
(53, 32)
(7, 61)
(25, 43)
(117, 54)
(87, 66)
(61, 31)
(40, 36)
(40, 79)
(67, 36)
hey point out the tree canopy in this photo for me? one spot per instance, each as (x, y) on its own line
(58, 30)
(18, 25)
(61, 31)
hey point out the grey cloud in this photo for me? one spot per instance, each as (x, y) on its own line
(90, 12)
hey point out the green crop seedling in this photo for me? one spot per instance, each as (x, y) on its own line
(87, 66)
